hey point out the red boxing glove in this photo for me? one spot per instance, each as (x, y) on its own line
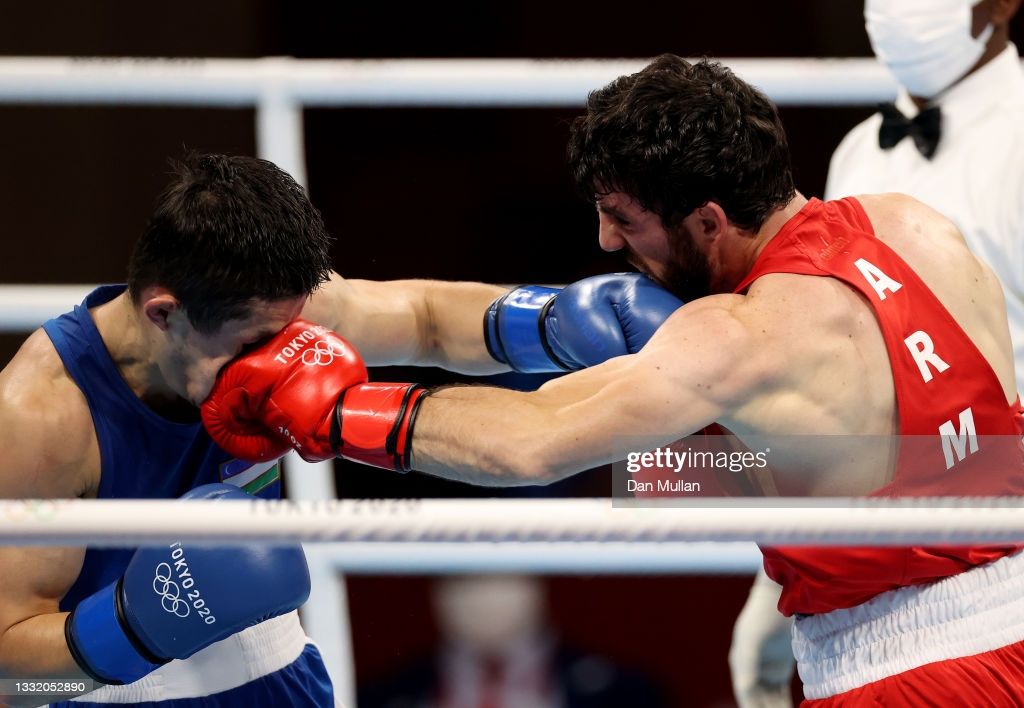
(306, 388)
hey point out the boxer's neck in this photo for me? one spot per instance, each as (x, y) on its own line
(137, 358)
(771, 227)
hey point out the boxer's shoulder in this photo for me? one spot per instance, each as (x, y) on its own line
(794, 324)
(796, 298)
(894, 214)
(932, 245)
(739, 321)
(734, 339)
(711, 316)
(46, 429)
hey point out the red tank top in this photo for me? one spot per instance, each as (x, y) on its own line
(958, 435)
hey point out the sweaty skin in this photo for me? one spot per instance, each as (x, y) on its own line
(50, 442)
(796, 354)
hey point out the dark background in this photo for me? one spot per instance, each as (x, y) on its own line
(430, 193)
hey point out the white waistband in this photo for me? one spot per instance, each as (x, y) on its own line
(976, 611)
(243, 657)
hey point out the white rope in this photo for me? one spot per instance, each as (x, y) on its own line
(400, 82)
(794, 522)
(539, 558)
(25, 307)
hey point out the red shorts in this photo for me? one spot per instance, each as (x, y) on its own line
(959, 641)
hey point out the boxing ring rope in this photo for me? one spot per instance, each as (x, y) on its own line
(523, 522)
(399, 82)
(279, 88)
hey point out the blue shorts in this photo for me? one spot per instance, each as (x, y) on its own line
(304, 682)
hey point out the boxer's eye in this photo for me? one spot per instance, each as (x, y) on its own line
(616, 216)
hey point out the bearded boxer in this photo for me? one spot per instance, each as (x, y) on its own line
(102, 403)
(820, 319)
(954, 138)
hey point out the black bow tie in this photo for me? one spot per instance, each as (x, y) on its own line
(925, 128)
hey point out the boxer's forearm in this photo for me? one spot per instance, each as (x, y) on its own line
(412, 322)
(483, 436)
(496, 437)
(451, 325)
(35, 649)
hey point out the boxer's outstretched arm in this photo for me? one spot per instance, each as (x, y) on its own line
(703, 364)
(417, 322)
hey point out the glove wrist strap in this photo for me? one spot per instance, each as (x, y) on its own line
(100, 643)
(372, 424)
(514, 330)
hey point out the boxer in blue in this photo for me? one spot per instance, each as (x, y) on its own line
(102, 403)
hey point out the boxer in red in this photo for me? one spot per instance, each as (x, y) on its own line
(862, 318)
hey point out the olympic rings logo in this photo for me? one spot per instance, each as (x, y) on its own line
(322, 353)
(169, 592)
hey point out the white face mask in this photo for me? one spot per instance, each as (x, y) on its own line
(926, 44)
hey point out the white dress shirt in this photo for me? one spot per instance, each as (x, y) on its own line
(976, 177)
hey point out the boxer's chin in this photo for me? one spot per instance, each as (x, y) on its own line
(198, 390)
(686, 285)
(687, 275)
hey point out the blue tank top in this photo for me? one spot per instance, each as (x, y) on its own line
(142, 455)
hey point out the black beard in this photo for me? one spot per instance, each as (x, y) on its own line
(687, 275)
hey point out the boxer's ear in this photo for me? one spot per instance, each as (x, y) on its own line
(158, 304)
(708, 222)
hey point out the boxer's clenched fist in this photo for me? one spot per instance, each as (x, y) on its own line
(283, 394)
(306, 388)
(539, 329)
(174, 600)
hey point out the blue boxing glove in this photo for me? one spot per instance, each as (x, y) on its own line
(537, 329)
(173, 601)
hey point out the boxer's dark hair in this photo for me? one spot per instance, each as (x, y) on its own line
(227, 231)
(678, 135)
